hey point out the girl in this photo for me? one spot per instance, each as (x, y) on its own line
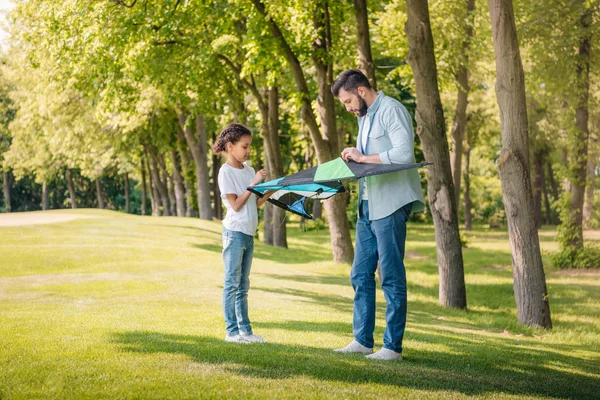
(239, 226)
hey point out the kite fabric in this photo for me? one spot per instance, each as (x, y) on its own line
(321, 182)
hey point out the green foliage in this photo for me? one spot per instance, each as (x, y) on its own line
(575, 257)
(568, 256)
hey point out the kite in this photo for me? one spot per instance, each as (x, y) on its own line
(321, 182)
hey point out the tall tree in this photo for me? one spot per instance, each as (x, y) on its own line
(365, 56)
(460, 114)
(326, 143)
(578, 167)
(528, 271)
(432, 131)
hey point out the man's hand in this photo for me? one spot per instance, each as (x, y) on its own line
(352, 153)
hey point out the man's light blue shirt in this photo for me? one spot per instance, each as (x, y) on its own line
(391, 135)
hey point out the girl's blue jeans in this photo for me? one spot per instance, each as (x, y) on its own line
(237, 258)
(381, 240)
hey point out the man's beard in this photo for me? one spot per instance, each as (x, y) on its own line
(362, 106)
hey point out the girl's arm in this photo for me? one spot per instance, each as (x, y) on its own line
(265, 197)
(237, 202)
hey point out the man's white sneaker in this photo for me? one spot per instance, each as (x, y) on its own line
(355, 347)
(236, 339)
(385, 354)
(250, 338)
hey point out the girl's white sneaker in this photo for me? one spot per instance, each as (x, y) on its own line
(236, 339)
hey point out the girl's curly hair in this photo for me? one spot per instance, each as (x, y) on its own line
(231, 134)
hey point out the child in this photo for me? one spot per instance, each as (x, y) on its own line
(239, 226)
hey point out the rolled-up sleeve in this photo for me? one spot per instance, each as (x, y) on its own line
(396, 123)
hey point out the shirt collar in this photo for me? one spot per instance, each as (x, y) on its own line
(373, 109)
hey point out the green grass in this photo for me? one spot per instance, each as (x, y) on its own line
(119, 306)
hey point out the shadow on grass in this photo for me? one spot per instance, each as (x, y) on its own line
(472, 368)
(494, 298)
(299, 254)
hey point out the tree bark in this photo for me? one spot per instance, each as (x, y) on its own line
(538, 176)
(159, 185)
(431, 129)
(45, 201)
(578, 162)
(365, 57)
(154, 195)
(191, 196)
(144, 187)
(217, 204)
(197, 145)
(460, 115)
(178, 183)
(71, 185)
(547, 208)
(127, 195)
(588, 205)
(528, 271)
(278, 215)
(467, 190)
(555, 193)
(6, 186)
(99, 195)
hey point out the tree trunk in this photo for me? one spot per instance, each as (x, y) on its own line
(188, 175)
(99, 195)
(269, 153)
(166, 178)
(588, 205)
(578, 162)
(154, 195)
(45, 201)
(127, 195)
(467, 190)
(460, 115)
(335, 207)
(6, 184)
(274, 217)
(547, 207)
(538, 176)
(144, 188)
(365, 58)
(555, 193)
(197, 145)
(163, 194)
(528, 271)
(338, 221)
(71, 185)
(431, 129)
(178, 183)
(278, 215)
(217, 204)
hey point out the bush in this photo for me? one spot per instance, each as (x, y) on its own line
(573, 257)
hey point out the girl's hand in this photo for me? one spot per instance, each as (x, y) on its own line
(260, 175)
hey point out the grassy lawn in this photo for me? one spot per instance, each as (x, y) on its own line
(118, 306)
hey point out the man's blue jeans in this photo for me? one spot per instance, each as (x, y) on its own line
(384, 240)
(237, 258)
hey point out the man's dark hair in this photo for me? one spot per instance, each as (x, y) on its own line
(349, 80)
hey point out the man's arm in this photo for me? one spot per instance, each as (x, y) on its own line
(401, 135)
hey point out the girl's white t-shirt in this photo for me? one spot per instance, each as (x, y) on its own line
(235, 181)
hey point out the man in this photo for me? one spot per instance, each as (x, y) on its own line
(385, 135)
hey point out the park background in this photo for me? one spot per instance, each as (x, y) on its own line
(110, 266)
